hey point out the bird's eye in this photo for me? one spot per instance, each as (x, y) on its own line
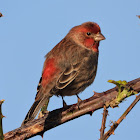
(88, 33)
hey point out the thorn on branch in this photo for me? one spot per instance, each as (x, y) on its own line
(90, 113)
(138, 16)
(1, 15)
(42, 134)
(96, 94)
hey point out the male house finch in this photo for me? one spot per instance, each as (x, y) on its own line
(69, 67)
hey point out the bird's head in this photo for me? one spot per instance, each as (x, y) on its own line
(87, 35)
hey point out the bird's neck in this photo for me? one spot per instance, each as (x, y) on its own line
(95, 47)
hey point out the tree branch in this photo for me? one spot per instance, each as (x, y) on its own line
(60, 116)
(105, 113)
(115, 125)
(1, 117)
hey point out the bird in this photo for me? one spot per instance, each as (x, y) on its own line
(69, 67)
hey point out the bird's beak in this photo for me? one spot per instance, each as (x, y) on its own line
(99, 37)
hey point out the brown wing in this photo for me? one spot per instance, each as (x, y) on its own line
(67, 76)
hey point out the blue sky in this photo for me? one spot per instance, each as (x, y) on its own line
(30, 29)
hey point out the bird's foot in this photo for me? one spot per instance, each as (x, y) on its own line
(79, 101)
(64, 104)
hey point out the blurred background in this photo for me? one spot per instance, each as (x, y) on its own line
(30, 29)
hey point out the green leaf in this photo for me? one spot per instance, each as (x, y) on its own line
(123, 92)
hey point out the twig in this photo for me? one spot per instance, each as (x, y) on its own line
(105, 113)
(60, 116)
(115, 125)
(1, 116)
(138, 16)
(1, 15)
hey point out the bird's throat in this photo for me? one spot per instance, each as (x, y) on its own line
(91, 44)
(95, 47)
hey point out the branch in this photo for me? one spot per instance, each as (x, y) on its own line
(105, 113)
(60, 116)
(115, 125)
(1, 116)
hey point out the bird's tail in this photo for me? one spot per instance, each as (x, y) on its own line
(37, 105)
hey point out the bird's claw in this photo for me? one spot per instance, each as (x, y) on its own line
(64, 104)
(79, 101)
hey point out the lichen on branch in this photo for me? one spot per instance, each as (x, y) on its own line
(124, 91)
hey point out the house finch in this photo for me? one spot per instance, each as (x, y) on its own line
(69, 67)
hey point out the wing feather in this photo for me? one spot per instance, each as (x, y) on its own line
(67, 76)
